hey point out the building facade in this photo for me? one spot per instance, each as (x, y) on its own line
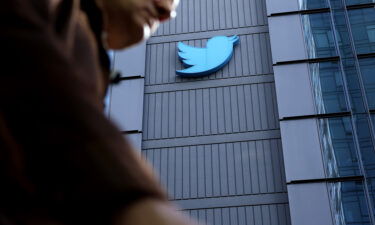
(323, 56)
(284, 134)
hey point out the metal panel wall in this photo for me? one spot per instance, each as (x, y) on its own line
(130, 62)
(281, 6)
(252, 58)
(287, 44)
(215, 141)
(309, 204)
(124, 102)
(127, 104)
(249, 215)
(135, 139)
(208, 15)
(209, 111)
(293, 85)
(217, 170)
(302, 154)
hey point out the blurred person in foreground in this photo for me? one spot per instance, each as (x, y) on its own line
(61, 160)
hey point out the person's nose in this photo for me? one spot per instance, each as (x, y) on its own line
(166, 8)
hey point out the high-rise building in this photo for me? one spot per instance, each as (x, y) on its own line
(284, 134)
(323, 56)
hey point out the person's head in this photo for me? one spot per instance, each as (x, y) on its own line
(127, 22)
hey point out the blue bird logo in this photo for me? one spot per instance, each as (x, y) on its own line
(204, 61)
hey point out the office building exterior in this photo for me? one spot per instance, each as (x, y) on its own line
(284, 134)
(324, 72)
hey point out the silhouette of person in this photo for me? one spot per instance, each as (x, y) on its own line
(61, 160)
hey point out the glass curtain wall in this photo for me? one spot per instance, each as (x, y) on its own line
(340, 41)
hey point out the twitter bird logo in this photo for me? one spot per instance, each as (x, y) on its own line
(204, 61)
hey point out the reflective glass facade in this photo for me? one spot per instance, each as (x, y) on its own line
(367, 68)
(339, 147)
(348, 202)
(312, 4)
(358, 2)
(319, 35)
(362, 23)
(340, 45)
(328, 87)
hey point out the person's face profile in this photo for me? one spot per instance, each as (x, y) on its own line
(131, 21)
(163, 14)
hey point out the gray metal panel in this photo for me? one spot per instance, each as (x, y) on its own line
(274, 214)
(135, 140)
(294, 92)
(251, 57)
(215, 141)
(127, 104)
(208, 34)
(230, 201)
(281, 6)
(309, 204)
(253, 105)
(131, 62)
(287, 44)
(107, 101)
(301, 149)
(197, 16)
(217, 170)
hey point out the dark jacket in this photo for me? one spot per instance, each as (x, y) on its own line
(60, 158)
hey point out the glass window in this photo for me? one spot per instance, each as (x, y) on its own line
(319, 35)
(328, 87)
(348, 203)
(312, 4)
(342, 30)
(368, 75)
(339, 151)
(371, 189)
(371, 33)
(353, 85)
(365, 144)
(362, 22)
(358, 2)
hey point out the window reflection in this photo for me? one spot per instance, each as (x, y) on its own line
(342, 31)
(348, 203)
(319, 35)
(328, 87)
(362, 22)
(312, 4)
(371, 187)
(367, 70)
(338, 147)
(353, 85)
(365, 144)
(358, 2)
(373, 121)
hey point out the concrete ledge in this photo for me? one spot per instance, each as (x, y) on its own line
(194, 85)
(211, 139)
(235, 201)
